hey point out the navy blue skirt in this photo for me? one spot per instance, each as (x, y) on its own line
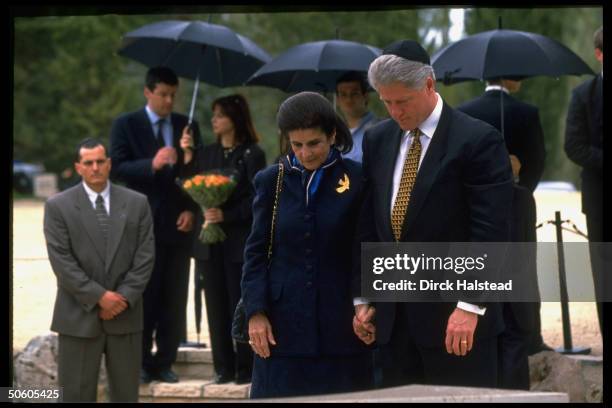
(293, 376)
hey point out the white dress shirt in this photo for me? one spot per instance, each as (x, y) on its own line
(497, 88)
(93, 196)
(428, 128)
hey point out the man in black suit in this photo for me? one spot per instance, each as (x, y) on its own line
(525, 143)
(522, 128)
(462, 192)
(146, 155)
(583, 145)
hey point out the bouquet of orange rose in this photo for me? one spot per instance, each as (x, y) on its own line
(210, 191)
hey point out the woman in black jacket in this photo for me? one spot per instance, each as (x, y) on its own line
(220, 265)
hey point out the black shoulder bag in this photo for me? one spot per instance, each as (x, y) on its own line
(240, 325)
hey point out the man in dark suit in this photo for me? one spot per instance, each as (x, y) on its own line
(146, 155)
(584, 146)
(353, 98)
(525, 143)
(462, 192)
(100, 244)
(522, 128)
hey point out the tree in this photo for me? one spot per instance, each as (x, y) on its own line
(69, 83)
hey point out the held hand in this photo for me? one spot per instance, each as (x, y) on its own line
(105, 315)
(460, 332)
(363, 325)
(187, 145)
(113, 303)
(187, 139)
(213, 215)
(184, 223)
(516, 165)
(164, 156)
(260, 335)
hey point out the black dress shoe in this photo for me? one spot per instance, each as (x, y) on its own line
(539, 348)
(243, 378)
(145, 376)
(223, 378)
(167, 376)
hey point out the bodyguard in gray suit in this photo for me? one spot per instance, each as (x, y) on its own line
(101, 248)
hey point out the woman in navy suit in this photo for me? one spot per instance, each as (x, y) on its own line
(298, 304)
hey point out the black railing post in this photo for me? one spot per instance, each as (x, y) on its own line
(565, 316)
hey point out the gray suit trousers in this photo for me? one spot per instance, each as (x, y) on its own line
(79, 365)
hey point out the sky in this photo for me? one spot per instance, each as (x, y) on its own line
(456, 30)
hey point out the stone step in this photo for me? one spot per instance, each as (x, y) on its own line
(192, 390)
(194, 366)
(194, 363)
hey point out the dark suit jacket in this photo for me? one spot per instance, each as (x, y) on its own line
(246, 160)
(522, 229)
(305, 292)
(463, 192)
(133, 147)
(85, 270)
(522, 131)
(583, 141)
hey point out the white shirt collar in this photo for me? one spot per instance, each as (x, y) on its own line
(429, 125)
(153, 117)
(497, 88)
(92, 195)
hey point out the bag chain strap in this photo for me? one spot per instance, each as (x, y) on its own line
(279, 185)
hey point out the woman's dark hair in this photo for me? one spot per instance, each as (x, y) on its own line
(237, 109)
(310, 110)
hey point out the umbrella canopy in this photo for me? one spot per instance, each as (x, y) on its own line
(314, 66)
(220, 56)
(509, 54)
(197, 50)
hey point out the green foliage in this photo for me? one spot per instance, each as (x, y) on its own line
(69, 83)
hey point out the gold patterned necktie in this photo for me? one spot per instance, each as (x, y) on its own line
(409, 172)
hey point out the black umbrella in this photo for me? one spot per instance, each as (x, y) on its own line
(507, 54)
(314, 66)
(197, 50)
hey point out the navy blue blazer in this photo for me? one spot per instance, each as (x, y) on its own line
(522, 131)
(305, 292)
(462, 193)
(132, 149)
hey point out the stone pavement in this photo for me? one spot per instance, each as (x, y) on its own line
(554, 378)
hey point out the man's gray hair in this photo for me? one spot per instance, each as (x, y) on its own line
(389, 68)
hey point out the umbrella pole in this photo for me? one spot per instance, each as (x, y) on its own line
(193, 98)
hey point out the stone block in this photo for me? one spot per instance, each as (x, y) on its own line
(182, 389)
(227, 391)
(551, 371)
(194, 355)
